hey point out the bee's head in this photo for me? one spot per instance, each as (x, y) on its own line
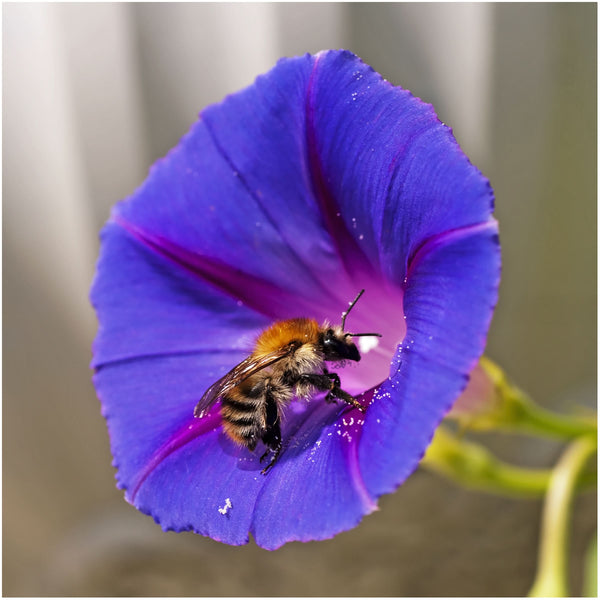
(338, 345)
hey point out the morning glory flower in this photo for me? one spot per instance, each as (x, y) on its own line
(283, 201)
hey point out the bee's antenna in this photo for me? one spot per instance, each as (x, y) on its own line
(345, 313)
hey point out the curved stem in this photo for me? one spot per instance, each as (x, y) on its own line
(475, 467)
(551, 578)
(537, 420)
(504, 407)
(590, 575)
(472, 465)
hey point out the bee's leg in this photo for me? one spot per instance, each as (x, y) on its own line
(334, 378)
(272, 435)
(337, 392)
(322, 381)
(330, 382)
(327, 382)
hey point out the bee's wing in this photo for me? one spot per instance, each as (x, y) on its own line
(239, 373)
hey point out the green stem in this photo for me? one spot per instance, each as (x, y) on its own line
(507, 408)
(551, 578)
(531, 418)
(590, 575)
(472, 465)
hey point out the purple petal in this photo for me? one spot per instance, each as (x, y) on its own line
(147, 402)
(285, 200)
(316, 490)
(147, 306)
(203, 197)
(192, 477)
(448, 311)
(396, 172)
(206, 486)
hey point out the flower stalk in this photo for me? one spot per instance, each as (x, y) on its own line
(552, 572)
(473, 466)
(590, 576)
(511, 410)
(470, 464)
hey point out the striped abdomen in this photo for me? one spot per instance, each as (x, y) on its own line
(244, 410)
(251, 409)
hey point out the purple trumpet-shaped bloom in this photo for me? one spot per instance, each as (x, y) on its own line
(282, 201)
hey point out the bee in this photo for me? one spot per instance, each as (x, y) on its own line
(288, 360)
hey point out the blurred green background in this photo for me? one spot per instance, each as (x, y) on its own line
(94, 93)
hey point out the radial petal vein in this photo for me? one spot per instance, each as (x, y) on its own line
(352, 257)
(308, 269)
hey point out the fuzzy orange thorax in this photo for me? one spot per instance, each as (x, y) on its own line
(281, 333)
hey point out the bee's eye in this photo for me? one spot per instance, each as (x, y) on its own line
(328, 338)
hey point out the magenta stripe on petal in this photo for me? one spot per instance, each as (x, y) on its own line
(259, 295)
(352, 429)
(353, 258)
(188, 433)
(449, 237)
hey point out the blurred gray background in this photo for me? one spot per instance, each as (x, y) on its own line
(94, 93)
